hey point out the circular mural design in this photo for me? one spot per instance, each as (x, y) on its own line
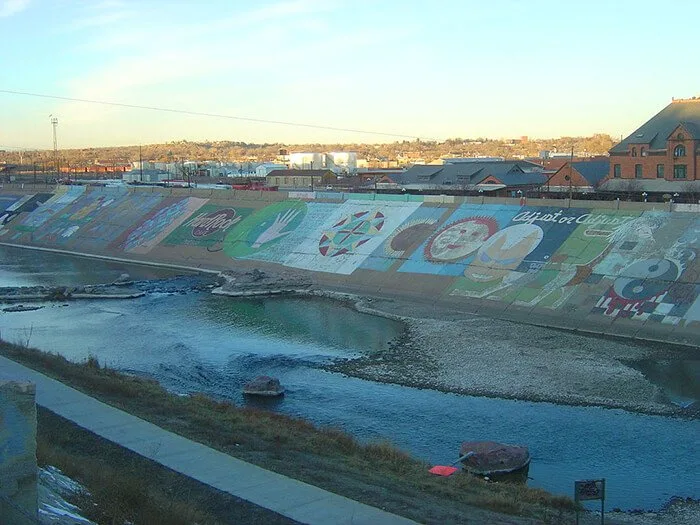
(459, 239)
(350, 233)
(264, 228)
(407, 235)
(646, 279)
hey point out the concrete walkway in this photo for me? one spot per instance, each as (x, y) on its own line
(291, 498)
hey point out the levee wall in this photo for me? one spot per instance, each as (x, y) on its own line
(616, 268)
(18, 468)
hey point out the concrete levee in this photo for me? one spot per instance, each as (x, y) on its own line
(18, 466)
(614, 268)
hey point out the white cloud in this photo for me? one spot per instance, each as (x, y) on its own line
(12, 7)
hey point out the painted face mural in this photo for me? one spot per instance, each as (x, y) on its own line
(350, 233)
(459, 239)
(503, 252)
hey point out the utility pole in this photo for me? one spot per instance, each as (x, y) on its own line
(54, 124)
(571, 169)
(140, 165)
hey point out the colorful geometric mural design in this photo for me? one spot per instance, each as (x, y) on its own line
(351, 232)
(158, 224)
(207, 227)
(452, 247)
(264, 230)
(345, 234)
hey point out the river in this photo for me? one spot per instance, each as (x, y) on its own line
(194, 341)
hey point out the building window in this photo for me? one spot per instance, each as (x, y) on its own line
(637, 171)
(680, 171)
(634, 152)
(680, 136)
(617, 171)
(660, 171)
(643, 151)
(679, 151)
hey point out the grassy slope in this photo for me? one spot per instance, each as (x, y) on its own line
(377, 474)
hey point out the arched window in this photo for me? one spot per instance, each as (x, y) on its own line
(634, 152)
(680, 136)
(642, 151)
(679, 151)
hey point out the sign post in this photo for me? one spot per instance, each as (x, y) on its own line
(590, 489)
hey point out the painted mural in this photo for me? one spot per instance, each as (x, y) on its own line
(64, 196)
(404, 239)
(158, 224)
(207, 227)
(265, 235)
(343, 239)
(605, 265)
(117, 216)
(453, 245)
(59, 229)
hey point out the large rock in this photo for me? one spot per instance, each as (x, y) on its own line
(263, 386)
(494, 458)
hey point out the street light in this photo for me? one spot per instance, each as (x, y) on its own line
(644, 194)
(481, 193)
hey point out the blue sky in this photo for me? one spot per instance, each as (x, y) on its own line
(430, 69)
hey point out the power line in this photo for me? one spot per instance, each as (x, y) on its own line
(213, 115)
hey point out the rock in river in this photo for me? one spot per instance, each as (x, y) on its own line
(263, 386)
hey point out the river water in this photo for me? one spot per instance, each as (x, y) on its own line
(193, 341)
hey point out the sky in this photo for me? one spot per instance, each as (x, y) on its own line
(392, 69)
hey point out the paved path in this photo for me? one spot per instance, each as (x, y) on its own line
(291, 498)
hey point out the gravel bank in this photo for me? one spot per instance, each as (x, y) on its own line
(456, 352)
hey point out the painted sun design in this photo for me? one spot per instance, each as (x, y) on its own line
(407, 235)
(459, 239)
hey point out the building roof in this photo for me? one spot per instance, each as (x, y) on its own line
(510, 173)
(593, 171)
(656, 130)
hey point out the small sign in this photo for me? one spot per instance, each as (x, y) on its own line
(589, 489)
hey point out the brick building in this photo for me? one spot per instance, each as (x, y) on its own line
(579, 176)
(666, 147)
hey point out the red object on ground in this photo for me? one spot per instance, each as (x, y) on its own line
(441, 470)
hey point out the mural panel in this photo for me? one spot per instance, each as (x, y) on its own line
(115, 218)
(65, 196)
(158, 224)
(651, 270)
(80, 212)
(525, 252)
(404, 239)
(346, 237)
(454, 244)
(271, 233)
(207, 227)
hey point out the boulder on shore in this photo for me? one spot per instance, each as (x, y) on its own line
(490, 458)
(263, 386)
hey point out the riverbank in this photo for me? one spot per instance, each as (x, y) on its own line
(452, 351)
(376, 473)
(447, 350)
